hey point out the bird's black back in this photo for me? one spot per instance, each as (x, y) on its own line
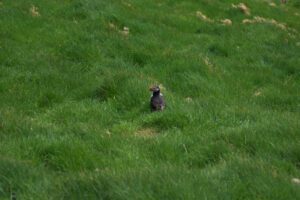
(157, 102)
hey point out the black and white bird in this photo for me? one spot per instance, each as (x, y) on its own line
(157, 102)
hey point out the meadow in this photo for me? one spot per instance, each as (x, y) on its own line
(75, 121)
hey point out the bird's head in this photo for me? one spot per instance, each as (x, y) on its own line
(154, 88)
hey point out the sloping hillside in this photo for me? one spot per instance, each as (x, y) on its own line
(75, 121)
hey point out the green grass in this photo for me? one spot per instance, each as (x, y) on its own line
(75, 121)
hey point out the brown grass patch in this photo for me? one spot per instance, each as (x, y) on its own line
(208, 63)
(188, 99)
(296, 181)
(226, 22)
(282, 26)
(258, 19)
(34, 11)
(242, 7)
(125, 31)
(257, 93)
(127, 4)
(146, 133)
(112, 26)
(203, 17)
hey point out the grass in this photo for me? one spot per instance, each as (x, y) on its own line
(75, 121)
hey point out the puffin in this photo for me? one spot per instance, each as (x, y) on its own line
(157, 102)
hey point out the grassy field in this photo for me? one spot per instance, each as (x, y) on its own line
(75, 121)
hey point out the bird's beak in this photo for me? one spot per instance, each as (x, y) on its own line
(151, 89)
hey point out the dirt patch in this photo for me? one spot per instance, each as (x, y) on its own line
(146, 133)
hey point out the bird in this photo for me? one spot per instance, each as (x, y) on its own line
(157, 102)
